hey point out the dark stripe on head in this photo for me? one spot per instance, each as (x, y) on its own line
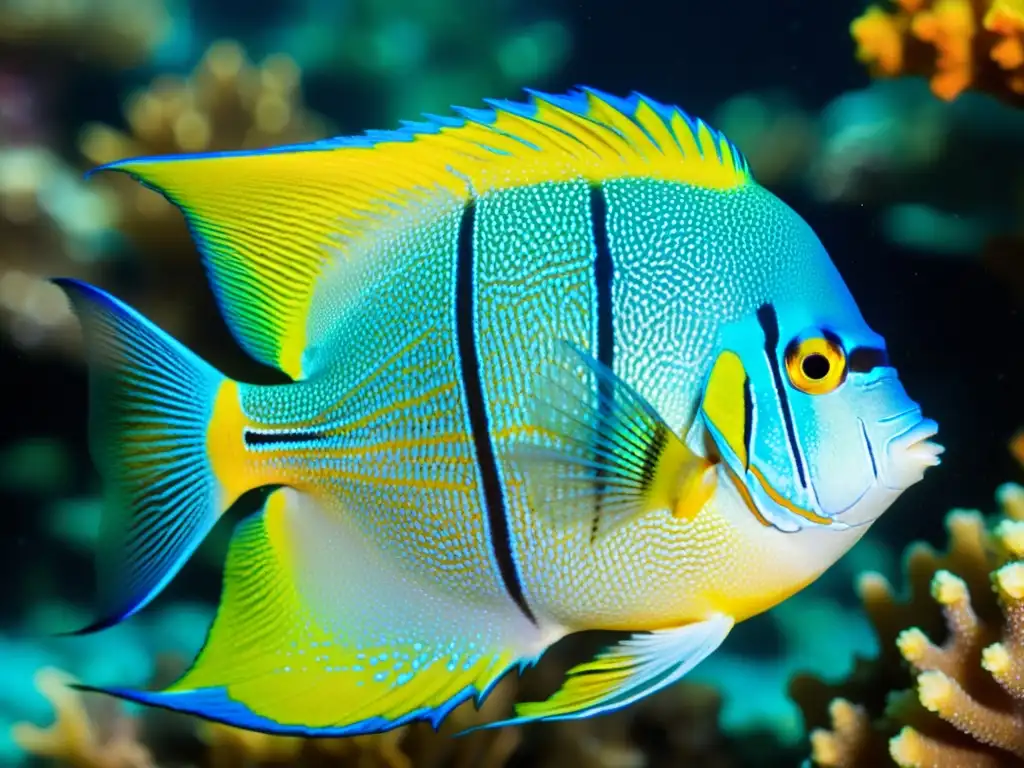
(866, 359)
(769, 322)
(604, 274)
(476, 404)
(284, 436)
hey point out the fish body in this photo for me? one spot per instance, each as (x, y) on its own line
(555, 367)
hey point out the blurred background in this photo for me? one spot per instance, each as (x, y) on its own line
(913, 179)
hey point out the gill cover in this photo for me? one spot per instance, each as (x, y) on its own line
(810, 418)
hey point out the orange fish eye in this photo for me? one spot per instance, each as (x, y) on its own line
(816, 365)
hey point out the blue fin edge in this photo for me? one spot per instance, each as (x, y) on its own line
(215, 705)
(574, 100)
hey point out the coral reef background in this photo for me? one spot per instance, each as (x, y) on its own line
(896, 129)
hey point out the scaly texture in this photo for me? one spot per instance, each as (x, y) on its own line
(956, 44)
(966, 703)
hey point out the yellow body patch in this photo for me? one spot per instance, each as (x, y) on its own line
(724, 403)
(224, 445)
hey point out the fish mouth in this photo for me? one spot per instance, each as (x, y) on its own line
(911, 452)
(919, 445)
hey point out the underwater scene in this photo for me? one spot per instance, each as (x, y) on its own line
(626, 385)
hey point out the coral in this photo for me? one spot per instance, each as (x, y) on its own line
(119, 32)
(49, 222)
(78, 738)
(956, 44)
(404, 58)
(964, 705)
(778, 138)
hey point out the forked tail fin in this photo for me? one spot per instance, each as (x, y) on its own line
(151, 405)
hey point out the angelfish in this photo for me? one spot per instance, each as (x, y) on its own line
(555, 366)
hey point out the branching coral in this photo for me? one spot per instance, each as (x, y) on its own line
(78, 738)
(966, 706)
(117, 32)
(956, 44)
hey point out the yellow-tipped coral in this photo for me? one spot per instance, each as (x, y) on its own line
(965, 706)
(956, 44)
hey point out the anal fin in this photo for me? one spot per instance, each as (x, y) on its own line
(628, 671)
(316, 634)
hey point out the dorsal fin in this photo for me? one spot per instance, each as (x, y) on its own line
(269, 222)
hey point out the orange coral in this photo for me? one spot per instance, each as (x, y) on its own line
(956, 44)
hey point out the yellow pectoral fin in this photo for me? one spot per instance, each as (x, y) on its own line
(634, 668)
(277, 660)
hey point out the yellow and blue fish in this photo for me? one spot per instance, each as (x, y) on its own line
(556, 366)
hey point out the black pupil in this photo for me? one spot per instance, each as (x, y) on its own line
(815, 366)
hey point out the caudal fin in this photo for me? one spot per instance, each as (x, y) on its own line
(151, 401)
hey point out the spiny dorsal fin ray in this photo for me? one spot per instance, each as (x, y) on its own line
(269, 222)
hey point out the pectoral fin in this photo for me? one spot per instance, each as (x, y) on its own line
(628, 671)
(602, 453)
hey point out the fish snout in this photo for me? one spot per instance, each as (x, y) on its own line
(911, 453)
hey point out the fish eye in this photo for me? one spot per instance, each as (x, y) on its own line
(816, 365)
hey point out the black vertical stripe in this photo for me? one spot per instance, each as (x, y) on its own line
(748, 418)
(769, 322)
(604, 271)
(465, 334)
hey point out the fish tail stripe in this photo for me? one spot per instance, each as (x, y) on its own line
(271, 663)
(152, 403)
(769, 323)
(604, 275)
(476, 406)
